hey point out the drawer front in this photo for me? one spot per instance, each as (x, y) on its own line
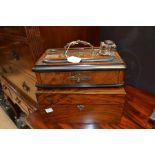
(23, 81)
(83, 113)
(15, 98)
(95, 99)
(82, 77)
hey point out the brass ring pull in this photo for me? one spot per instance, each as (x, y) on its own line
(76, 43)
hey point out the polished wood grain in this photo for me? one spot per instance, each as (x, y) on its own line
(98, 105)
(82, 77)
(89, 114)
(138, 108)
(81, 95)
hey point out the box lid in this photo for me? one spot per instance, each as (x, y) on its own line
(56, 60)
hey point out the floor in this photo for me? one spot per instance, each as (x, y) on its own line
(5, 121)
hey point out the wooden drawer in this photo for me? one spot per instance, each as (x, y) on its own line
(82, 77)
(16, 98)
(23, 81)
(84, 113)
(82, 105)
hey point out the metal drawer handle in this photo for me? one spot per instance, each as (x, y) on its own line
(25, 87)
(81, 107)
(78, 78)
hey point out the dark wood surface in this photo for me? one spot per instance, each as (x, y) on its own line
(59, 36)
(136, 113)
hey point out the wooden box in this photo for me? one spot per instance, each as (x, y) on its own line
(53, 70)
(90, 91)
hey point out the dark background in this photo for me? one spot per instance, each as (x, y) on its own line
(137, 46)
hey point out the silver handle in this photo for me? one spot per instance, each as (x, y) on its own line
(75, 43)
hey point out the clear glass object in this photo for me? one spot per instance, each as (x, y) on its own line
(107, 48)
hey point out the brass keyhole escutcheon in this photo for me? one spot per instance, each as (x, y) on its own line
(81, 107)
